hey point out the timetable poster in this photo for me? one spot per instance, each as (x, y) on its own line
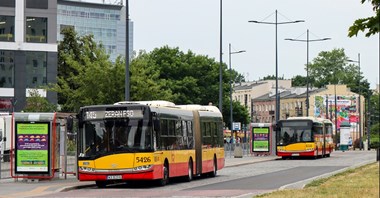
(32, 150)
(260, 140)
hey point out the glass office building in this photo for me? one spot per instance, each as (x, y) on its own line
(105, 21)
(28, 51)
(29, 35)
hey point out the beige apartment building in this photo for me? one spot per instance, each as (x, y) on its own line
(246, 91)
(292, 103)
(322, 103)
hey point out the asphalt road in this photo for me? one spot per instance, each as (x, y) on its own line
(272, 180)
(239, 181)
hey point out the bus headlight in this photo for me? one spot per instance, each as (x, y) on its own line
(143, 168)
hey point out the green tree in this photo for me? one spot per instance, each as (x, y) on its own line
(36, 103)
(68, 47)
(184, 78)
(239, 113)
(163, 74)
(236, 76)
(369, 24)
(331, 67)
(299, 81)
(145, 81)
(85, 74)
(273, 77)
(191, 78)
(375, 108)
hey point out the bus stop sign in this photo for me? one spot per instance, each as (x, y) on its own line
(236, 126)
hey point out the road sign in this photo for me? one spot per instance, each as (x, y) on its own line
(236, 126)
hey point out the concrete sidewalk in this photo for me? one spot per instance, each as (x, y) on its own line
(23, 188)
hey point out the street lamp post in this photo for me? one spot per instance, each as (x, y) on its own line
(359, 105)
(307, 64)
(369, 120)
(230, 53)
(337, 140)
(276, 24)
(221, 61)
(336, 116)
(127, 91)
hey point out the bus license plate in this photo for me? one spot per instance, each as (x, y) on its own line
(112, 177)
(295, 154)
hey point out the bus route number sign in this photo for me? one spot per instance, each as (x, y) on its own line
(91, 115)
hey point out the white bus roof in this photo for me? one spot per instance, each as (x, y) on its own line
(154, 103)
(199, 107)
(163, 103)
(314, 119)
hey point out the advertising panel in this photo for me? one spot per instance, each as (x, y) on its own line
(345, 135)
(260, 140)
(346, 106)
(32, 147)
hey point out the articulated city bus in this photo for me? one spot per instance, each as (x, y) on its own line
(304, 136)
(148, 140)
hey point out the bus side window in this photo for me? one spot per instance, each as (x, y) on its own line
(156, 125)
(171, 128)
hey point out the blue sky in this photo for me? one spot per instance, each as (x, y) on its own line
(194, 25)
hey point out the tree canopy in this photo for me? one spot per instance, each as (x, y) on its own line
(332, 67)
(190, 78)
(369, 25)
(85, 74)
(36, 103)
(273, 77)
(87, 77)
(183, 78)
(299, 81)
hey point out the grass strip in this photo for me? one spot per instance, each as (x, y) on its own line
(359, 182)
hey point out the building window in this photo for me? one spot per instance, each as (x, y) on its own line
(7, 3)
(7, 26)
(37, 4)
(36, 30)
(35, 70)
(6, 69)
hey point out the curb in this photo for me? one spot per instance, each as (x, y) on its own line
(249, 162)
(68, 188)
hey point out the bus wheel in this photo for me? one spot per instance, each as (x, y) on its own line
(165, 178)
(101, 184)
(328, 155)
(214, 169)
(189, 172)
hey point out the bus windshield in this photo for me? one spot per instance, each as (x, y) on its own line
(102, 137)
(292, 134)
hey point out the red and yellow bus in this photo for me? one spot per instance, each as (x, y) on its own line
(304, 136)
(148, 140)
